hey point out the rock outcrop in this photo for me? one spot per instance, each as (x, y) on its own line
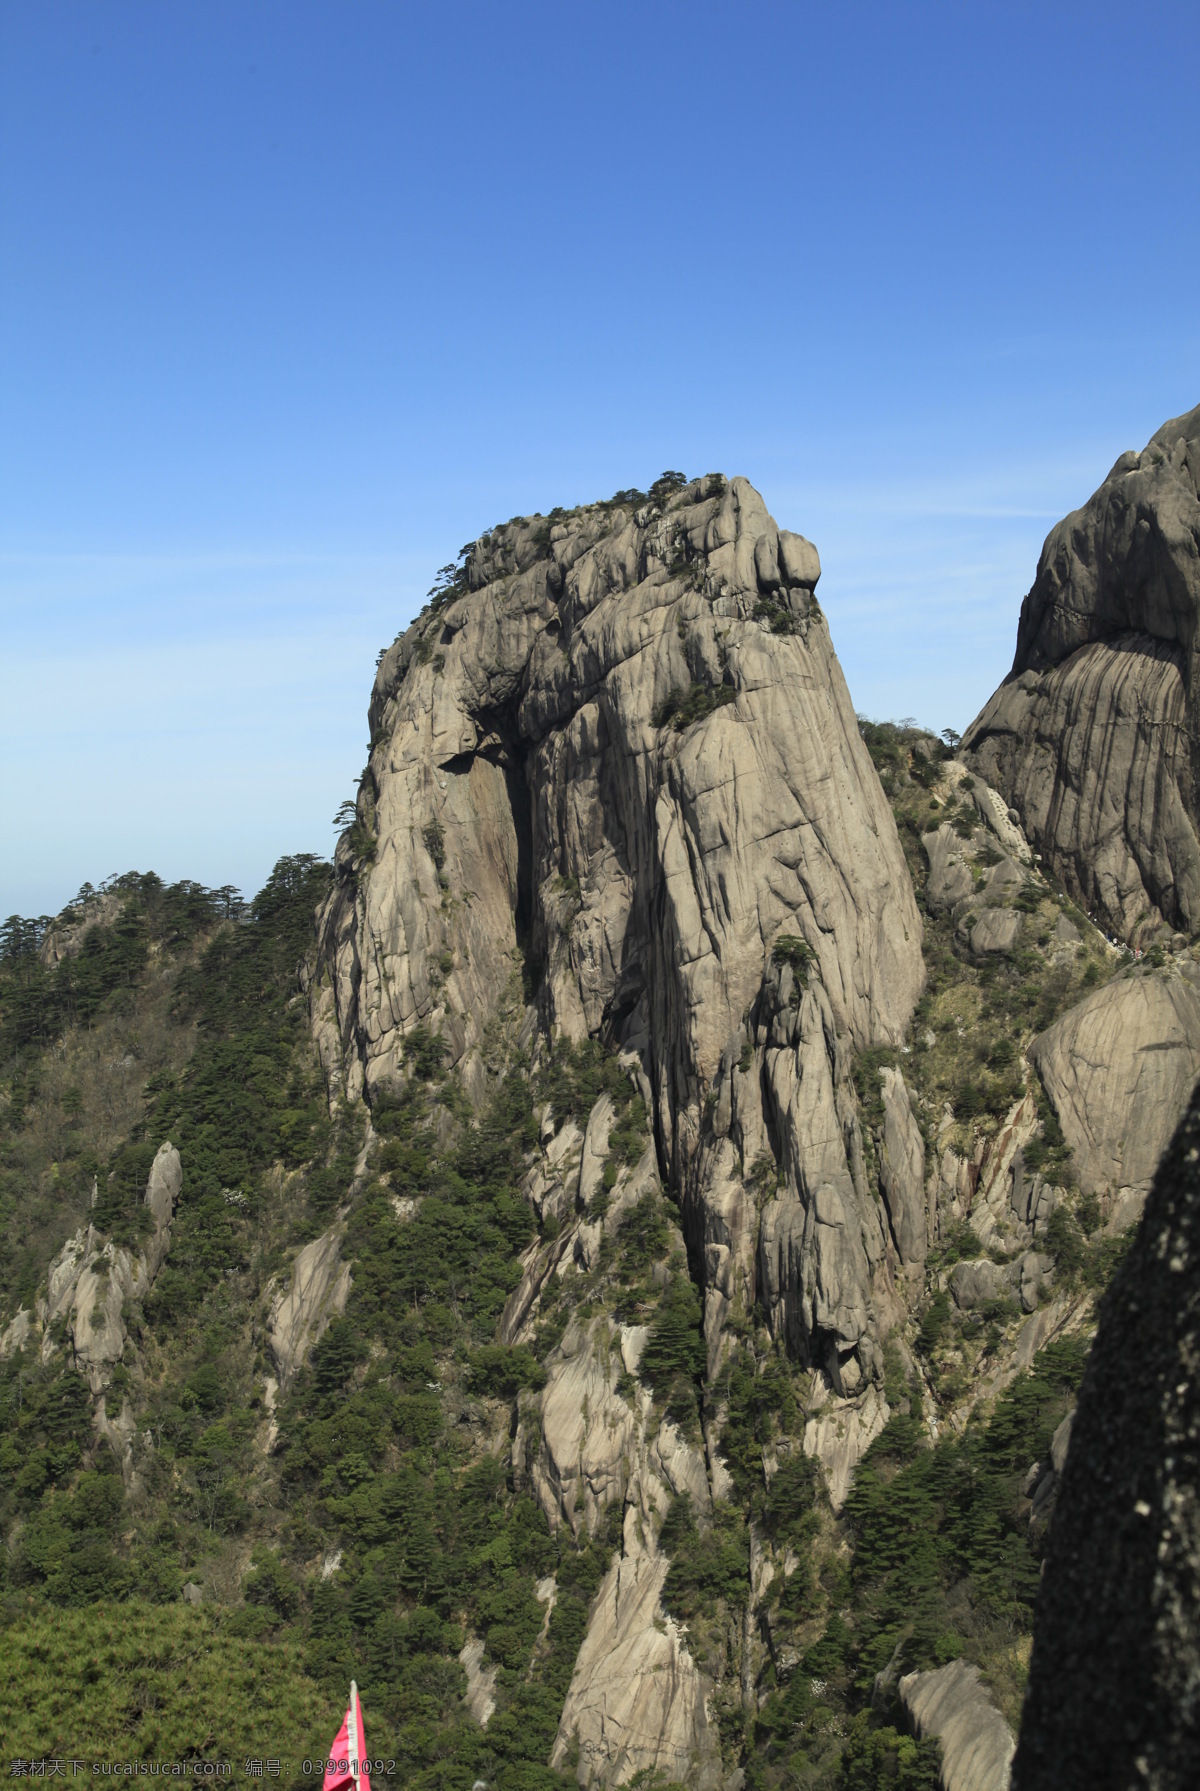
(616, 761)
(593, 1440)
(952, 1706)
(480, 1697)
(1043, 1480)
(1119, 1069)
(978, 1283)
(65, 937)
(637, 1701)
(319, 1289)
(620, 750)
(17, 1333)
(1114, 1688)
(91, 1279)
(978, 870)
(1093, 736)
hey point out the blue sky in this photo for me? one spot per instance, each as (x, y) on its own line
(295, 299)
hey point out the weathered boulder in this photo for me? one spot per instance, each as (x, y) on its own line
(1032, 1275)
(623, 749)
(950, 880)
(976, 1283)
(967, 878)
(1119, 1068)
(953, 1706)
(1091, 737)
(980, 1282)
(1114, 1688)
(996, 930)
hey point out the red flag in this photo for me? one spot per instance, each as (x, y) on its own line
(348, 1765)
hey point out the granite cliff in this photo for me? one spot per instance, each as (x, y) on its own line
(617, 793)
(1093, 736)
(621, 748)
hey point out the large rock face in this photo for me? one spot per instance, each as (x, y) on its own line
(320, 1287)
(1094, 734)
(636, 1702)
(591, 1439)
(622, 751)
(1114, 1688)
(902, 1170)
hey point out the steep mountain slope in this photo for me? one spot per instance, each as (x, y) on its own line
(1094, 735)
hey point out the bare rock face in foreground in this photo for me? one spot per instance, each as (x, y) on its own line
(622, 750)
(1114, 1689)
(1093, 736)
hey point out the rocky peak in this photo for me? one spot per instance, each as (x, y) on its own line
(616, 757)
(1126, 561)
(1093, 735)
